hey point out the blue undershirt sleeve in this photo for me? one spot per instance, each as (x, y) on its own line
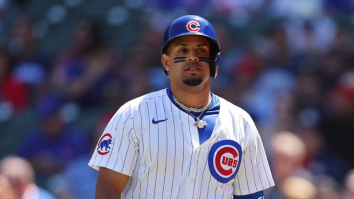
(258, 195)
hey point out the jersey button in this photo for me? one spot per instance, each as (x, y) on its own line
(191, 180)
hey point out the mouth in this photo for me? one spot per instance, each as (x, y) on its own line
(193, 68)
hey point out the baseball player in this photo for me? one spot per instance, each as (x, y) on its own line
(182, 141)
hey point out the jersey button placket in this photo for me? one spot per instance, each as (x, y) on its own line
(194, 165)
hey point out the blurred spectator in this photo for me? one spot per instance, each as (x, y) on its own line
(319, 159)
(77, 171)
(332, 65)
(230, 49)
(6, 188)
(233, 7)
(8, 13)
(21, 3)
(311, 36)
(348, 192)
(286, 161)
(247, 69)
(11, 90)
(279, 52)
(164, 4)
(327, 188)
(180, 6)
(21, 175)
(298, 188)
(52, 144)
(141, 59)
(343, 41)
(262, 96)
(32, 65)
(288, 157)
(295, 9)
(84, 70)
(309, 94)
(338, 125)
(338, 6)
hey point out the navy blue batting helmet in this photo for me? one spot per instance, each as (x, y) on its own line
(194, 25)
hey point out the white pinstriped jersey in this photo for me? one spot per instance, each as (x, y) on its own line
(157, 144)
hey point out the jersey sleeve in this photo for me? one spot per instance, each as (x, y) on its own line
(254, 174)
(119, 154)
(258, 195)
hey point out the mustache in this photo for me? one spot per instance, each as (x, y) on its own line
(194, 63)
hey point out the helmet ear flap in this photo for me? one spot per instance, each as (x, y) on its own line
(215, 66)
(217, 59)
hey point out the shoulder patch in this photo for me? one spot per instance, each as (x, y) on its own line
(103, 145)
(224, 160)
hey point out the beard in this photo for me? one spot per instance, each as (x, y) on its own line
(192, 82)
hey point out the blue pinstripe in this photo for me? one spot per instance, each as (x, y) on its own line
(164, 176)
(142, 142)
(120, 144)
(254, 178)
(190, 134)
(147, 185)
(158, 145)
(196, 173)
(203, 173)
(174, 158)
(126, 154)
(246, 174)
(179, 185)
(265, 169)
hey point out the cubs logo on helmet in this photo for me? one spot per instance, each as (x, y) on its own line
(193, 26)
(224, 160)
(103, 146)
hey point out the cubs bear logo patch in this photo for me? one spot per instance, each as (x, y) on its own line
(224, 160)
(103, 146)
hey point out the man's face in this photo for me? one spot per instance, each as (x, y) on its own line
(188, 59)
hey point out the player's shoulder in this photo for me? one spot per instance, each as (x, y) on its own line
(234, 110)
(134, 104)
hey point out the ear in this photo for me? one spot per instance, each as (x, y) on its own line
(165, 61)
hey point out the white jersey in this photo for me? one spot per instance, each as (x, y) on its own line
(157, 144)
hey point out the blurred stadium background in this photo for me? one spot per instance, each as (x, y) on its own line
(67, 65)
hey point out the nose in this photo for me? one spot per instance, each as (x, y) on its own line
(193, 59)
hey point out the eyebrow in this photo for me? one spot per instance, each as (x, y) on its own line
(181, 45)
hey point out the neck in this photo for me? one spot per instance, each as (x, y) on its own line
(196, 96)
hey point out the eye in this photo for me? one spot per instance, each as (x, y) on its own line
(182, 50)
(202, 51)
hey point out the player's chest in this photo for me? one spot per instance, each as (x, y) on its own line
(174, 140)
(167, 135)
